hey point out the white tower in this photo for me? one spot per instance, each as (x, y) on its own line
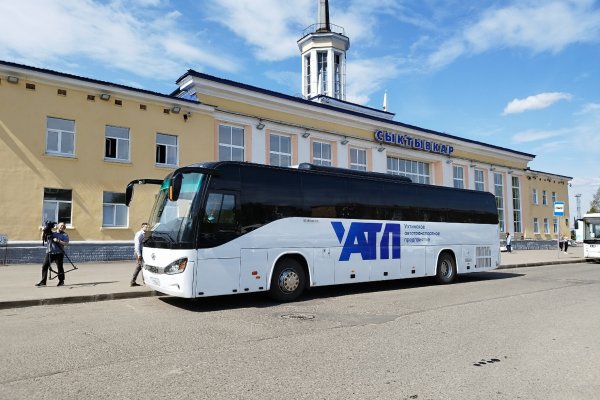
(323, 47)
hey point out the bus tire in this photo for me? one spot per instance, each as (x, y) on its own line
(288, 280)
(446, 269)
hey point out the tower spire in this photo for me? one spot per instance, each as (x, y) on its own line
(323, 16)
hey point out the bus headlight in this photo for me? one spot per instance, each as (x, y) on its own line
(176, 267)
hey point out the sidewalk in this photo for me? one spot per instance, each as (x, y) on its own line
(533, 258)
(89, 282)
(110, 281)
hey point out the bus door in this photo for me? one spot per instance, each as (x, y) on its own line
(218, 269)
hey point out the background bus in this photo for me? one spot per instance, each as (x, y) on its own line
(591, 235)
(220, 228)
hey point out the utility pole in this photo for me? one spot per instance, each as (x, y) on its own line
(578, 200)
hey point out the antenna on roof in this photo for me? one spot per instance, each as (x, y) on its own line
(385, 101)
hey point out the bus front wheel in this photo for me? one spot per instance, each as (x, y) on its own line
(288, 280)
(446, 269)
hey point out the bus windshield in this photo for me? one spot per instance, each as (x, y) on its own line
(173, 223)
(592, 230)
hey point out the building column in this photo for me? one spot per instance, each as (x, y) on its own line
(508, 208)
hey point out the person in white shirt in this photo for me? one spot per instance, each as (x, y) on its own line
(566, 243)
(508, 243)
(137, 251)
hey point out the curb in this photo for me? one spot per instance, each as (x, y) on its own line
(76, 299)
(542, 263)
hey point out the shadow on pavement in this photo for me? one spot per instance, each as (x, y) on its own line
(87, 284)
(261, 300)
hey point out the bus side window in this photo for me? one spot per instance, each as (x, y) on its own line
(220, 209)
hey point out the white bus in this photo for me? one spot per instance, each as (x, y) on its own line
(221, 228)
(591, 236)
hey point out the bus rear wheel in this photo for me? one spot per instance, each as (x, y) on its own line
(288, 280)
(446, 269)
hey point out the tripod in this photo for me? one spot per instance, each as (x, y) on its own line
(45, 239)
(64, 272)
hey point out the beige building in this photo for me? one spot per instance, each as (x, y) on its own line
(71, 144)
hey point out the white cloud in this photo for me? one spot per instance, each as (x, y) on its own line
(142, 38)
(285, 78)
(569, 142)
(536, 25)
(586, 181)
(271, 26)
(533, 135)
(368, 76)
(359, 18)
(539, 101)
(589, 108)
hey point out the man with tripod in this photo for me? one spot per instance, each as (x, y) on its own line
(55, 252)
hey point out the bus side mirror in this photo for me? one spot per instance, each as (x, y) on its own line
(576, 224)
(175, 187)
(129, 193)
(130, 185)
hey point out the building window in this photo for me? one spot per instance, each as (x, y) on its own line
(166, 149)
(358, 159)
(459, 177)
(536, 226)
(307, 74)
(417, 171)
(116, 143)
(516, 192)
(553, 197)
(555, 225)
(546, 226)
(337, 75)
(322, 153)
(60, 136)
(499, 192)
(322, 71)
(280, 150)
(534, 196)
(479, 180)
(544, 198)
(231, 143)
(114, 211)
(58, 204)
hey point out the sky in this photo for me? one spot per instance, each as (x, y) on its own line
(524, 75)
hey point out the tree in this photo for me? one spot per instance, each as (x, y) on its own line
(595, 204)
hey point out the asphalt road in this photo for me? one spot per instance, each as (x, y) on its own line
(531, 333)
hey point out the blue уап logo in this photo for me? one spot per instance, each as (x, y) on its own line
(362, 238)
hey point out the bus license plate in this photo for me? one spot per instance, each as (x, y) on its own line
(154, 281)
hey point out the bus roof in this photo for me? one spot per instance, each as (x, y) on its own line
(216, 165)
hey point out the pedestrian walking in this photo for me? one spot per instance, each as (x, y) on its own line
(138, 243)
(566, 244)
(508, 242)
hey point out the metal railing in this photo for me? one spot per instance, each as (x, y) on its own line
(322, 28)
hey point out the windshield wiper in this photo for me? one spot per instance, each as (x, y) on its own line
(165, 236)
